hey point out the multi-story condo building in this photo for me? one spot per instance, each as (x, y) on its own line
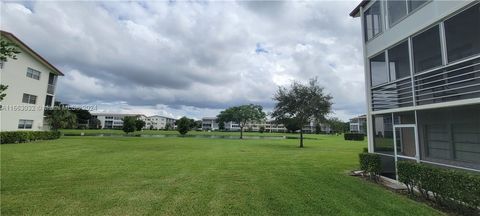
(422, 71)
(157, 122)
(358, 124)
(210, 123)
(113, 120)
(31, 82)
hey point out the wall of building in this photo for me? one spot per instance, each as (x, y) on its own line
(13, 74)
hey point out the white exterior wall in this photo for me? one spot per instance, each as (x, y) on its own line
(158, 122)
(14, 74)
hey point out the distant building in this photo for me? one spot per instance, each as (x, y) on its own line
(358, 124)
(112, 120)
(31, 82)
(210, 123)
(115, 120)
(157, 122)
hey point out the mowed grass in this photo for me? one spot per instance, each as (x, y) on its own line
(191, 176)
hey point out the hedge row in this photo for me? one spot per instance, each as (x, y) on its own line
(370, 164)
(450, 188)
(354, 136)
(27, 136)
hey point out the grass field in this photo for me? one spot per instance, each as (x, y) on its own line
(191, 176)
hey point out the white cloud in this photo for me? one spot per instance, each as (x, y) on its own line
(193, 58)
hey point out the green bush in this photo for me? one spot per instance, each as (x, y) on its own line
(354, 136)
(27, 136)
(450, 188)
(370, 164)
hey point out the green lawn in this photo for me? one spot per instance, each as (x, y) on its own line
(191, 176)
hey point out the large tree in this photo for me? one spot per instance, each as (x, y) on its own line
(184, 125)
(7, 50)
(139, 124)
(60, 117)
(129, 124)
(302, 102)
(242, 115)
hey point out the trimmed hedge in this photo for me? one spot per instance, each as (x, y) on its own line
(370, 164)
(354, 136)
(27, 136)
(453, 189)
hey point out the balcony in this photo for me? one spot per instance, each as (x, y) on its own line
(450, 83)
(393, 95)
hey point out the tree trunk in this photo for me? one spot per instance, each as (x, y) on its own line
(301, 138)
(241, 132)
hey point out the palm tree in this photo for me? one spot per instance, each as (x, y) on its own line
(61, 118)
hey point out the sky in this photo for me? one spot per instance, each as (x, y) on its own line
(195, 58)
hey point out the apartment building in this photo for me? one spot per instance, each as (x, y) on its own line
(358, 124)
(113, 120)
(157, 122)
(422, 71)
(210, 123)
(31, 82)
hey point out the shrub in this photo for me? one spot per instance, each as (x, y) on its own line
(453, 189)
(354, 136)
(370, 164)
(27, 136)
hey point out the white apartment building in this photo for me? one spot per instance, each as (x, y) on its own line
(115, 120)
(358, 124)
(31, 82)
(157, 122)
(211, 124)
(112, 120)
(422, 75)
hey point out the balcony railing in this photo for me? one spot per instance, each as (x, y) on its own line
(393, 95)
(51, 89)
(450, 83)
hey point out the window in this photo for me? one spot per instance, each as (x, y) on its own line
(378, 70)
(383, 134)
(34, 74)
(427, 52)
(451, 135)
(399, 63)
(25, 124)
(396, 11)
(28, 98)
(414, 4)
(373, 21)
(48, 100)
(462, 33)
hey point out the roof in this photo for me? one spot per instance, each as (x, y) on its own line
(30, 51)
(356, 10)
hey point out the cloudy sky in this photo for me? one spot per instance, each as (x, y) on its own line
(195, 58)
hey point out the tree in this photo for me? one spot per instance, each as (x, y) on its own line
(83, 116)
(3, 88)
(242, 115)
(261, 129)
(129, 124)
(337, 125)
(168, 126)
(292, 124)
(60, 117)
(221, 125)
(7, 50)
(139, 124)
(301, 102)
(184, 124)
(94, 123)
